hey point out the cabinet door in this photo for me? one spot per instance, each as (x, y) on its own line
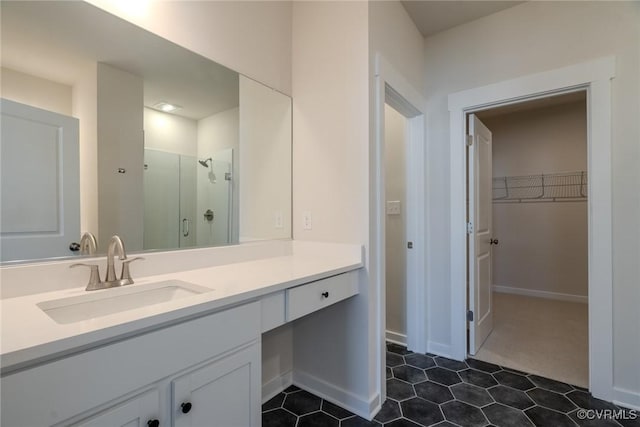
(139, 411)
(224, 393)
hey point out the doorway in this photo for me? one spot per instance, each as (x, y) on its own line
(595, 77)
(395, 162)
(393, 90)
(528, 249)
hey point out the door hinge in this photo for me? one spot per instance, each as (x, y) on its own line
(469, 228)
(469, 140)
(470, 316)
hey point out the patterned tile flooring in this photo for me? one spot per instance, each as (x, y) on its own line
(428, 390)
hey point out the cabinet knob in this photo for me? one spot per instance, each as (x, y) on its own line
(325, 294)
(153, 423)
(185, 407)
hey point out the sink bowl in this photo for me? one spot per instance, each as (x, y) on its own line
(116, 300)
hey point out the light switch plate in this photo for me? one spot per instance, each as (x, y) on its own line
(393, 207)
(307, 220)
(279, 222)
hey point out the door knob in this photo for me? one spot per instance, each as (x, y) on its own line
(185, 407)
(153, 423)
(493, 241)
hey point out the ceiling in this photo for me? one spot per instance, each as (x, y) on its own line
(56, 40)
(431, 17)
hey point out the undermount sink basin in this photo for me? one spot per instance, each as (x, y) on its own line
(116, 300)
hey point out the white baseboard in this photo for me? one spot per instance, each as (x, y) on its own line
(343, 398)
(396, 337)
(540, 294)
(276, 385)
(626, 398)
(439, 349)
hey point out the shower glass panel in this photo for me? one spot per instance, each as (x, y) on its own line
(169, 200)
(188, 224)
(215, 200)
(161, 200)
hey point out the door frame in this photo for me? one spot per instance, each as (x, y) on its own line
(392, 88)
(594, 77)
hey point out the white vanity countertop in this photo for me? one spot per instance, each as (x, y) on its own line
(30, 336)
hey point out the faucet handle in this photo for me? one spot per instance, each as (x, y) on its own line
(125, 275)
(94, 278)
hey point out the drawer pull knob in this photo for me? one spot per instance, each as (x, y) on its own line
(325, 294)
(153, 423)
(185, 407)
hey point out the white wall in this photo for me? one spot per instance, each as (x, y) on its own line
(170, 133)
(85, 108)
(395, 250)
(35, 91)
(218, 132)
(334, 46)
(330, 179)
(265, 162)
(543, 246)
(393, 34)
(532, 37)
(251, 37)
(120, 145)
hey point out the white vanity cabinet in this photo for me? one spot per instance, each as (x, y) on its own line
(204, 370)
(221, 394)
(212, 362)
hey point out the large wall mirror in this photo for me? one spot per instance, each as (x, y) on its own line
(110, 129)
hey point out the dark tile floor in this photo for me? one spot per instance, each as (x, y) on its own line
(427, 390)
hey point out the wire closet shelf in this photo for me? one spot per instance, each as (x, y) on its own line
(556, 187)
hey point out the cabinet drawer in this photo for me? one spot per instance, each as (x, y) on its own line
(314, 296)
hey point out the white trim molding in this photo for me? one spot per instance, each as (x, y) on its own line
(275, 385)
(540, 294)
(627, 398)
(396, 337)
(343, 398)
(594, 77)
(392, 87)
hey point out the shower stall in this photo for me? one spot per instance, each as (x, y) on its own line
(187, 200)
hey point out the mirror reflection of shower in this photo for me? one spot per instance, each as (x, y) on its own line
(212, 175)
(215, 199)
(205, 163)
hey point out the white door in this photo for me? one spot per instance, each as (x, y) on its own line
(225, 393)
(39, 182)
(479, 236)
(139, 411)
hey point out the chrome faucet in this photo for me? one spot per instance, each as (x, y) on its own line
(111, 280)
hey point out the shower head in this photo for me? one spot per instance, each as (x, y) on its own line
(204, 162)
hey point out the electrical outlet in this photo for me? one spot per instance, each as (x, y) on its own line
(307, 220)
(279, 222)
(393, 207)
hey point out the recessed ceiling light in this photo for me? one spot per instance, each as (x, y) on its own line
(166, 107)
